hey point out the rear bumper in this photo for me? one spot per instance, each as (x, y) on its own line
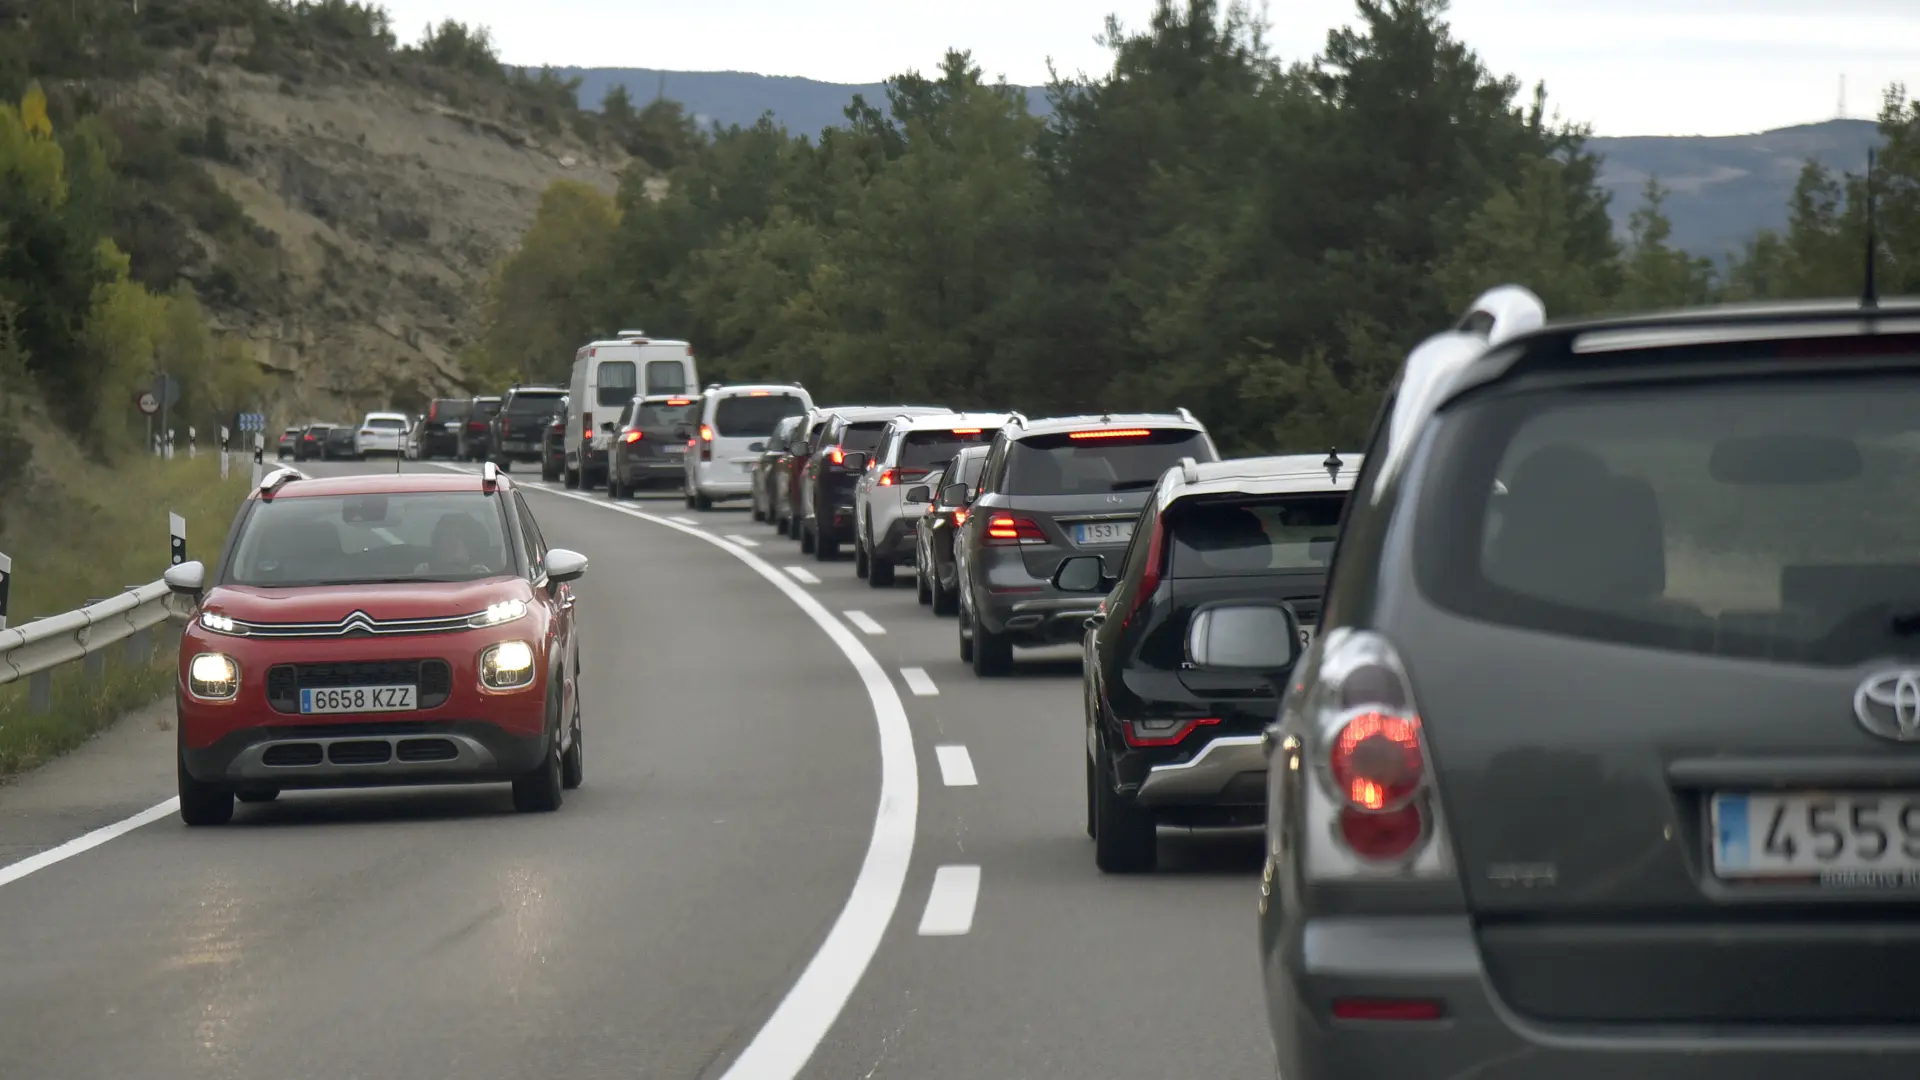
(1055, 620)
(520, 449)
(1229, 769)
(721, 480)
(654, 470)
(1436, 958)
(897, 542)
(455, 751)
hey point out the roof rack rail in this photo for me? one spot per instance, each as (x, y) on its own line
(1503, 313)
(1189, 470)
(1186, 414)
(489, 476)
(271, 482)
(1017, 417)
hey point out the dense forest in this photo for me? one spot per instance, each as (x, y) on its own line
(1206, 225)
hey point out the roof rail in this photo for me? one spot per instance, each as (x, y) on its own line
(1189, 470)
(270, 483)
(489, 476)
(1186, 414)
(1503, 313)
(1017, 417)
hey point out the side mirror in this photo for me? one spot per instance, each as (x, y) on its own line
(187, 578)
(757, 448)
(1081, 574)
(1238, 636)
(919, 493)
(856, 461)
(564, 565)
(954, 495)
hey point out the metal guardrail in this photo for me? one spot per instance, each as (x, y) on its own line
(32, 651)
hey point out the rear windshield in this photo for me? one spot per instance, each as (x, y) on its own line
(362, 539)
(742, 415)
(665, 377)
(970, 469)
(390, 423)
(927, 448)
(534, 405)
(485, 408)
(447, 409)
(1062, 465)
(1765, 519)
(863, 436)
(615, 379)
(1243, 534)
(659, 414)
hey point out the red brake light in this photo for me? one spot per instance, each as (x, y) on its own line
(631, 436)
(706, 433)
(966, 431)
(1383, 837)
(433, 411)
(1386, 1009)
(836, 455)
(1118, 433)
(476, 425)
(886, 478)
(1004, 529)
(1377, 761)
(1164, 732)
(758, 393)
(960, 516)
(679, 401)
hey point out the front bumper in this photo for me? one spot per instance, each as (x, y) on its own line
(366, 755)
(1436, 958)
(1230, 769)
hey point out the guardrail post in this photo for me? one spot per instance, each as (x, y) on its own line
(177, 534)
(6, 578)
(40, 691)
(93, 666)
(140, 647)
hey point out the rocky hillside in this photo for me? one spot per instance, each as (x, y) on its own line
(385, 209)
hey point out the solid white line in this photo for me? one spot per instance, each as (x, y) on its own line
(744, 541)
(683, 521)
(16, 871)
(788, 1039)
(801, 573)
(866, 624)
(919, 681)
(956, 766)
(950, 904)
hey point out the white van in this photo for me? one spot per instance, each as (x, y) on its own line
(608, 374)
(733, 427)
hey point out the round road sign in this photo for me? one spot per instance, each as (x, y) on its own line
(147, 402)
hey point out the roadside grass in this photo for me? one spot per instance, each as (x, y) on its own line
(82, 531)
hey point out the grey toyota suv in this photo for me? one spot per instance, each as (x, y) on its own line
(1070, 485)
(1606, 759)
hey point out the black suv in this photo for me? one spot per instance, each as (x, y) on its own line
(1071, 485)
(1605, 760)
(841, 451)
(440, 428)
(518, 430)
(935, 579)
(476, 435)
(1166, 742)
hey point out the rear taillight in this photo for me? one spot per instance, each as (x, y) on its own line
(1163, 732)
(706, 443)
(836, 455)
(886, 478)
(706, 433)
(433, 411)
(476, 425)
(1004, 529)
(1371, 811)
(586, 427)
(1150, 574)
(959, 517)
(631, 437)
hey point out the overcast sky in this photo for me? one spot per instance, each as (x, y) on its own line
(1628, 67)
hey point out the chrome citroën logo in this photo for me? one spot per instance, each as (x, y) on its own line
(1888, 704)
(358, 622)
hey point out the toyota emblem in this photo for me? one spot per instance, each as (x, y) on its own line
(1888, 704)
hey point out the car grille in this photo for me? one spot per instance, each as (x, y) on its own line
(292, 754)
(433, 678)
(360, 752)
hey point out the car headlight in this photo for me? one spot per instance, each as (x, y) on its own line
(213, 676)
(222, 624)
(506, 666)
(503, 612)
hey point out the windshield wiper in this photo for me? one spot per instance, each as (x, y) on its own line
(414, 580)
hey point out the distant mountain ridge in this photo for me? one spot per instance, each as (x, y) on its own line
(1723, 188)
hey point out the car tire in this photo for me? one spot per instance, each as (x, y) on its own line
(861, 561)
(806, 539)
(945, 601)
(992, 653)
(1092, 779)
(921, 591)
(201, 803)
(964, 628)
(613, 483)
(257, 795)
(879, 572)
(702, 502)
(825, 548)
(573, 764)
(689, 495)
(1125, 839)
(571, 480)
(547, 471)
(540, 791)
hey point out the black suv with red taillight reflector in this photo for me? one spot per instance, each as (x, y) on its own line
(1053, 488)
(1170, 740)
(1597, 766)
(476, 431)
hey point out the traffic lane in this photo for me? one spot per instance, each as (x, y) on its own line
(646, 929)
(1064, 971)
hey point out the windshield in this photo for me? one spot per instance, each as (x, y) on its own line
(531, 405)
(1243, 534)
(1761, 519)
(1062, 465)
(363, 539)
(923, 449)
(616, 381)
(742, 415)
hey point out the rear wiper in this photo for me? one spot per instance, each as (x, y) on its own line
(1134, 485)
(1904, 623)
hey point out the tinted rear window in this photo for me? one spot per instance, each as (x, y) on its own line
(534, 405)
(447, 409)
(1768, 519)
(484, 408)
(662, 415)
(970, 470)
(1062, 465)
(1226, 537)
(666, 377)
(863, 436)
(742, 416)
(615, 379)
(927, 448)
(387, 423)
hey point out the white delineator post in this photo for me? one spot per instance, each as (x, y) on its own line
(177, 536)
(226, 453)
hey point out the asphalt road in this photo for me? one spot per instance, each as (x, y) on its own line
(788, 859)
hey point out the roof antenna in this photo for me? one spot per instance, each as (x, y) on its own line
(1332, 464)
(1870, 298)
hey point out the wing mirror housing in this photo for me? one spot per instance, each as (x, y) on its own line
(954, 495)
(1082, 574)
(187, 578)
(856, 461)
(564, 565)
(919, 493)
